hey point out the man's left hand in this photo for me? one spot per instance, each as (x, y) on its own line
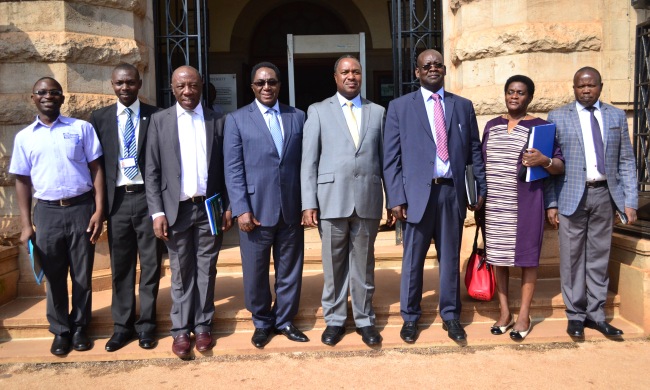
(95, 226)
(631, 215)
(390, 218)
(478, 204)
(227, 221)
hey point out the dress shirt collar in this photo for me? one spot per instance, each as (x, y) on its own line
(426, 94)
(580, 107)
(198, 110)
(135, 107)
(263, 109)
(356, 101)
(37, 123)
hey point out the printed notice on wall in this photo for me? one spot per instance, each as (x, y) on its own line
(226, 92)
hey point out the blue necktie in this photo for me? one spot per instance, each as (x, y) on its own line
(130, 149)
(276, 131)
(598, 141)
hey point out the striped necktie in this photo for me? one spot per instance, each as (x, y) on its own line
(130, 147)
(276, 131)
(441, 128)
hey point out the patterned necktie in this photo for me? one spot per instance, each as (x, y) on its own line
(276, 131)
(598, 141)
(441, 129)
(354, 131)
(130, 149)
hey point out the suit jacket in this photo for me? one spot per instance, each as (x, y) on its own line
(338, 178)
(258, 179)
(163, 169)
(104, 120)
(620, 166)
(410, 152)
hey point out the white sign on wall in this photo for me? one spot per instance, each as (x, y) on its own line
(226, 86)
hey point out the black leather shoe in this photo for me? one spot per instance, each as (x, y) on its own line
(292, 333)
(576, 328)
(118, 340)
(147, 340)
(369, 335)
(61, 344)
(332, 335)
(604, 328)
(409, 332)
(454, 330)
(80, 341)
(261, 337)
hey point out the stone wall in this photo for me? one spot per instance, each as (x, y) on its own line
(76, 42)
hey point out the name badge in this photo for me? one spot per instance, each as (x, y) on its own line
(127, 162)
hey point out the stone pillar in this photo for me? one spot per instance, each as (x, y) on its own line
(78, 43)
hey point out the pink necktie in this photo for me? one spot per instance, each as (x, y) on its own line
(441, 130)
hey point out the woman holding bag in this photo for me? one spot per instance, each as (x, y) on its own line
(514, 209)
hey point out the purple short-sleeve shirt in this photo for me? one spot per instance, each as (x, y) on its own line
(56, 158)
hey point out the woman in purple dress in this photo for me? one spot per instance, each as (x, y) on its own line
(514, 208)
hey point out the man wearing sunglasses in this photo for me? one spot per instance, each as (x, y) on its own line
(262, 148)
(431, 136)
(60, 158)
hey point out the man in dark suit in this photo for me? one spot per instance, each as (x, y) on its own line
(122, 131)
(430, 136)
(263, 146)
(184, 166)
(600, 175)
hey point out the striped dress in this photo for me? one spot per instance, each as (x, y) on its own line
(514, 210)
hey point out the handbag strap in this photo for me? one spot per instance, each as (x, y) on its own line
(478, 228)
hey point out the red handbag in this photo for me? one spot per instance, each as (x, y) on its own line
(479, 275)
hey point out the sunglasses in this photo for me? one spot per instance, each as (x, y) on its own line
(437, 65)
(51, 92)
(270, 82)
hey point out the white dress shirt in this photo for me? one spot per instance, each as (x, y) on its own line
(441, 168)
(194, 163)
(588, 140)
(121, 179)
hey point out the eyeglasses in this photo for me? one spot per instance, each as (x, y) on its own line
(51, 92)
(270, 82)
(427, 67)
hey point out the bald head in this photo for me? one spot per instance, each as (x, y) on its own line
(431, 70)
(187, 86)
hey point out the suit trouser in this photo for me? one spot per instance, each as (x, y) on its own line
(63, 243)
(193, 252)
(585, 241)
(130, 231)
(287, 243)
(348, 263)
(441, 221)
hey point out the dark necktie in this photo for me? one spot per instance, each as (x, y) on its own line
(441, 128)
(598, 141)
(129, 144)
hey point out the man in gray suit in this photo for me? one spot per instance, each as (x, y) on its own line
(600, 174)
(263, 144)
(341, 179)
(184, 166)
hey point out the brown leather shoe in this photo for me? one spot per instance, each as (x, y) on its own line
(182, 346)
(203, 341)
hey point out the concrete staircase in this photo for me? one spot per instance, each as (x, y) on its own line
(24, 336)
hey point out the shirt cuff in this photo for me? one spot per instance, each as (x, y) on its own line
(156, 215)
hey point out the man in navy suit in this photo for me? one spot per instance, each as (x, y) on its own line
(430, 136)
(262, 149)
(600, 175)
(130, 231)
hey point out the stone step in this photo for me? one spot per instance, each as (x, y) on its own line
(25, 317)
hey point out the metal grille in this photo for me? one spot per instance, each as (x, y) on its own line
(181, 39)
(415, 26)
(641, 139)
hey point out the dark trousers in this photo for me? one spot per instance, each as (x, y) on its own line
(193, 252)
(63, 243)
(287, 243)
(130, 231)
(441, 221)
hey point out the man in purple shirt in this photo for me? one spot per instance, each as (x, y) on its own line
(59, 157)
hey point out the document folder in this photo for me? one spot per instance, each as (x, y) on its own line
(35, 262)
(541, 138)
(214, 208)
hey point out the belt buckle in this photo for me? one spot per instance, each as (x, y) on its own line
(127, 190)
(438, 180)
(64, 202)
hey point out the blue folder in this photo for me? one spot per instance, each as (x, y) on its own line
(541, 138)
(35, 262)
(214, 208)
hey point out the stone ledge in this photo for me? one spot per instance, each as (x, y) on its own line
(526, 38)
(17, 110)
(138, 7)
(456, 4)
(49, 46)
